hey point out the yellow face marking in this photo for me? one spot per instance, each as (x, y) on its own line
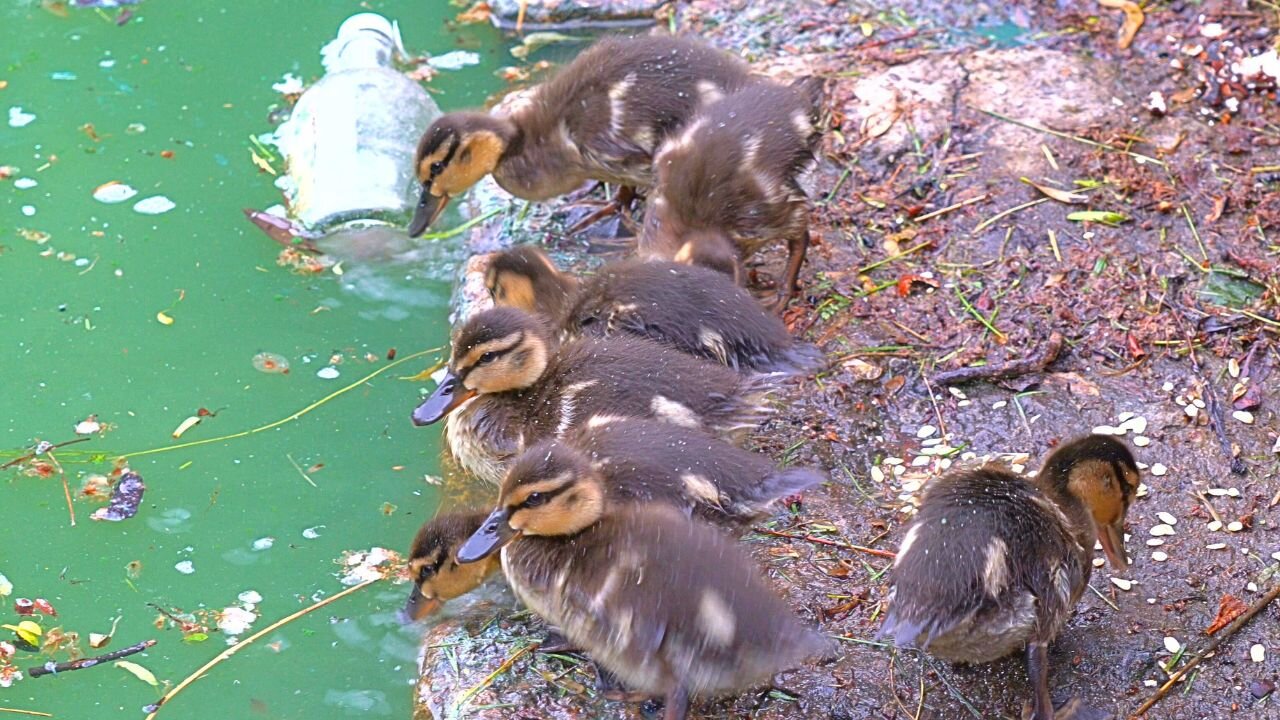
(500, 345)
(571, 510)
(477, 156)
(1095, 483)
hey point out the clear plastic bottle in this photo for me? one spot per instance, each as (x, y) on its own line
(349, 143)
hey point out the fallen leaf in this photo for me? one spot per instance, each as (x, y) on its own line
(164, 318)
(879, 123)
(1062, 196)
(1229, 608)
(139, 672)
(29, 631)
(1133, 19)
(1105, 217)
(98, 641)
(42, 606)
(262, 164)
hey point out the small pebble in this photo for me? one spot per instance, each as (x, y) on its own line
(1167, 518)
(1122, 583)
(1215, 525)
(1159, 556)
(1261, 688)
(1217, 492)
(1159, 469)
(1142, 441)
(1243, 416)
(1162, 529)
(1235, 526)
(1171, 644)
(1150, 683)
(1257, 653)
(926, 431)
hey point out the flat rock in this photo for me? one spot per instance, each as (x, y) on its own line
(541, 14)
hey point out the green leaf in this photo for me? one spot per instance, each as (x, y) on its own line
(139, 672)
(1105, 217)
(196, 637)
(1234, 292)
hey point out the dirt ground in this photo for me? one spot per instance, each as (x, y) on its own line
(938, 253)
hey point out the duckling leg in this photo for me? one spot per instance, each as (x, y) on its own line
(797, 248)
(556, 642)
(621, 203)
(1038, 672)
(677, 704)
(612, 689)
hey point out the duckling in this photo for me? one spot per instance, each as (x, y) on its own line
(526, 388)
(727, 183)
(600, 118)
(641, 460)
(691, 309)
(662, 602)
(995, 563)
(433, 567)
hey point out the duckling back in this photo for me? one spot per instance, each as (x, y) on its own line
(692, 309)
(661, 602)
(988, 564)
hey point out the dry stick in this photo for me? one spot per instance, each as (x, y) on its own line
(33, 713)
(1231, 630)
(248, 641)
(1069, 136)
(1012, 368)
(868, 268)
(996, 218)
(505, 666)
(66, 489)
(949, 208)
(1201, 497)
(824, 541)
(82, 663)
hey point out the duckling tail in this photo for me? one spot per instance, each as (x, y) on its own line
(744, 408)
(799, 359)
(781, 484)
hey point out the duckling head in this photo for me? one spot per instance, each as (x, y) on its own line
(550, 490)
(712, 249)
(525, 278)
(455, 153)
(1100, 471)
(433, 567)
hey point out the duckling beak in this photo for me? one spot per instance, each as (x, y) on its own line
(429, 208)
(448, 396)
(1112, 540)
(492, 535)
(419, 606)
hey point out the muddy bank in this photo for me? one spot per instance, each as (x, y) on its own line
(935, 254)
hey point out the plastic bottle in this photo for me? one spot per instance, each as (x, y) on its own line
(349, 143)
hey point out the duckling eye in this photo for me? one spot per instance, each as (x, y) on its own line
(535, 499)
(436, 168)
(487, 358)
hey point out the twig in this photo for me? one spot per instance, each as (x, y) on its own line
(33, 713)
(996, 218)
(66, 489)
(1000, 337)
(824, 541)
(38, 451)
(1068, 136)
(1231, 630)
(949, 208)
(504, 667)
(301, 472)
(290, 418)
(1194, 232)
(1102, 597)
(249, 641)
(891, 258)
(1208, 505)
(1013, 368)
(51, 668)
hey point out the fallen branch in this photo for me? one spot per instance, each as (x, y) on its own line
(1013, 368)
(51, 668)
(824, 541)
(249, 641)
(1231, 630)
(33, 713)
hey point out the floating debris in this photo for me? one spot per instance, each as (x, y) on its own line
(186, 425)
(154, 205)
(455, 60)
(186, 567)
(19, 117)
(88, 426)
(263, 543)
(312, 533)
(269, 362)
(113, 192)
(328, 372)
(125, 499)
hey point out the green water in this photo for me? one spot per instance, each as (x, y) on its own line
(82, 339)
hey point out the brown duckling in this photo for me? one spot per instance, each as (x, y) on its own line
(526, 388)
(692, 309)
(601, 117)
(662, 602)
(727, 184)
(994, 563)
(433, 566)
(642, 460)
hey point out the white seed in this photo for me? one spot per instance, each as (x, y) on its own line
(1122, 583)
(1233, 367)
(1017, 467)
(1155, 542)
(926, 431)
(1275, 555)
(1159, 556)
(1142, 441)
(1150, 683)
(1107, 430)
(963, 403)
(1172, 644)
(1215, 546)
(892, 461)
(1001, 403)
(1217, 492)
(1198, 402)
(1125, 415)
(1161, 529)
(1099, 562)
(930, 442)
(1142, 489)
(1167, 387)
(1251, 587)
(1191, 410)
(877, 474)
(957, 393)
(1235, 526)
(1276, 448)
(1215, 525)
(920, 461)
(1159, 469)
(1233, 492)
(1167, 518)
(1136, 425)
(1243, 416)
(1257, 653)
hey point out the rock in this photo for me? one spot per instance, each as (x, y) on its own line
(546, 14)
(1261, 688)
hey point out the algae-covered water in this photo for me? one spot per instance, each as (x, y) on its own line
(166, 103)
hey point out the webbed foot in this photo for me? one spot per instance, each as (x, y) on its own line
(1073, 709)
(556, 642)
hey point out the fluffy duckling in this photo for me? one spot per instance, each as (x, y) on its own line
(526, 388)
(994, 563)
(665, 604)
(433, 565)
(641, 460)
(600, 118)
(727, 184)
(692, 309)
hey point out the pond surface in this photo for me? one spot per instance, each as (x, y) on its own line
(166, 103)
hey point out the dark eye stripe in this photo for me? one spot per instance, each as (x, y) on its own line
(548, 495)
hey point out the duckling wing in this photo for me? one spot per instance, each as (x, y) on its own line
(987, 565)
